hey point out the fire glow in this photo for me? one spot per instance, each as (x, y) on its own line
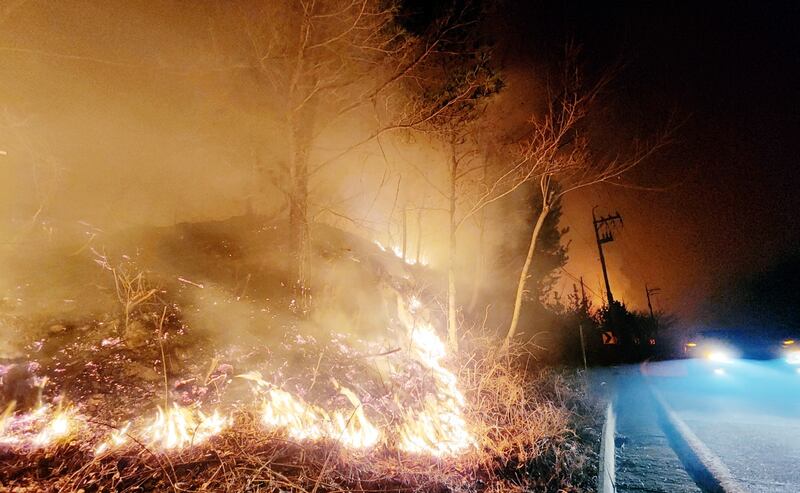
(115, 440)
(439, 428)
(303, 421)
(40, 428)
(177, 427)
(435, 427)
(398, 252)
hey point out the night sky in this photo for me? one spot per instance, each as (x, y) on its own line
(726, 204)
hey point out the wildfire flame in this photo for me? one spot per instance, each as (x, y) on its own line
(115, 440)
(436, 427)
(439, 428)
(178, 427)
(398, 252)
(41, 427)
(60, 426)
(303, 421)
(355, 430)
(300, 420)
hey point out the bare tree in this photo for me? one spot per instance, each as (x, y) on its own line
(558, 151)
(330, 61)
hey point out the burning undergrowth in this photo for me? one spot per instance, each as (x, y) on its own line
(136, 398)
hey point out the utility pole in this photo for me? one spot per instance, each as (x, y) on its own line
(585, 310)
(603, 233)
(584, 301)
(652, 292)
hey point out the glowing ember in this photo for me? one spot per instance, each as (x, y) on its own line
(115, 440)
(414, 304)
(5, 419)
(178, 427)
(398, 252)
(436, 426)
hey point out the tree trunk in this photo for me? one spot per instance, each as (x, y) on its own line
(299, 249)
(478, 274)
(523, 276)
(419, 233)
(452, 332)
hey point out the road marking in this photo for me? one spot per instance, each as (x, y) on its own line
(607, 472)
(705, 467)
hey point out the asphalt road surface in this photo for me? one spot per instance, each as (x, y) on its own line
(645, 460)
(746, 412)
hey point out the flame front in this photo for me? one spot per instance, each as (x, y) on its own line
(436, 426)
(60, 426)
(439, 428)
(115, 440)
(303, 421)
(300, 420)
(354, 430)
(398, 252)
(41, 427)
(178, 427)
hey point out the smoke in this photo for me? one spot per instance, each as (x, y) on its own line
(134, 131)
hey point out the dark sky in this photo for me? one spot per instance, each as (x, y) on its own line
(729, 200)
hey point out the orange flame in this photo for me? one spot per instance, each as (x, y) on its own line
(115, 440)
(178, 427)
(439, 428)
(41, 427)
(304, 421)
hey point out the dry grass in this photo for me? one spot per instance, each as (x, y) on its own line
(527, 423)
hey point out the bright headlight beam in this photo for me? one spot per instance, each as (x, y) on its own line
(719, 356)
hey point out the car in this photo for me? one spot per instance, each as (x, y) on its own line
(721, 347)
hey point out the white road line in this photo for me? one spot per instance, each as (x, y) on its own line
(607, 472)
(709, 471)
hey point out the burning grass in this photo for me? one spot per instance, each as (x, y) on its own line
(531, 431)
(139, 400)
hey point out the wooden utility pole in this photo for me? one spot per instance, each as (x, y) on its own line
(652, 292)
(584, 301)
(603, 233)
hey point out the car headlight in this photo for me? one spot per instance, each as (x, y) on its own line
(719, 356)
(793, 357)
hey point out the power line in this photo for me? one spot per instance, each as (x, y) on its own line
(578, 280)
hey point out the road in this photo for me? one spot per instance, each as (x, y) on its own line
(746, 412)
